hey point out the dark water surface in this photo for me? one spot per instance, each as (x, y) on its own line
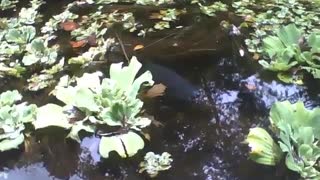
(203, 146)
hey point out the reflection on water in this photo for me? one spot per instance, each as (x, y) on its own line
(35, 171)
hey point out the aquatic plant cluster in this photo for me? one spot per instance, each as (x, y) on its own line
(297, 133)
(265, 17)
(289, 49)
(110, 102)
(27, 43)
(107, 107)
(285, 38)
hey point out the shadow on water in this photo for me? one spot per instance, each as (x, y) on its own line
(201, 147)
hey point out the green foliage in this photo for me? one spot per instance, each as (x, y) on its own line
(213, 9)
(21, 46)
(286, 51)
(298, 131)
(52, 25)
(111, 102)
(38, 51)
(263, 17)
(263, 149)
(154, 163)
(282, 48)
(12, 119)
(20, 36)
(93, 53)
(8, 4)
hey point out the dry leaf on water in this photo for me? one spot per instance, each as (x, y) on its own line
(256, 56)
(138, 47)
(69, 25)
(155, 91)
(77, 44)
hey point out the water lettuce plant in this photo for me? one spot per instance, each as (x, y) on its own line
(13, 116)
(297, 133)
(8, 4)
(108, 107)
(154, 163)
(211, 10)
(263, 18)
(266, 16)
(287, 49)
(22, 46)
(263, 149)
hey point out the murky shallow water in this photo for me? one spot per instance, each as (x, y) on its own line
(203, 146)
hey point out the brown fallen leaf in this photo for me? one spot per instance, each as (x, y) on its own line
(138, 47)
(155, 91)
(256, 56)
(155, 16)
(69, 25)
(77, 44)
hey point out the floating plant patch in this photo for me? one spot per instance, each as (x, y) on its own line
(109, 103)
(8, 4)
(263, 17)
(298, 131)
(93, 53)
(21, 46)
(211, 10)
(287, 50)
(13, 116)
(154, 163)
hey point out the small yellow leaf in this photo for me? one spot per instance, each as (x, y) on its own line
(138, 47)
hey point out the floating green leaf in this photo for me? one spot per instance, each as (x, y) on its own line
(126, 145)
(298, 131)
(51, 115)
(12, 119)
(154, 163)
(263, 149)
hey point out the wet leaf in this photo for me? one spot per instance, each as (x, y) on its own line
(51, 115)
(77, 127)
(12, 119)
(154, 163)
(132, 142)
(155, 91)
(78, 44)
(8, 144)
(138, 47)
(263, 148)
(69, 25)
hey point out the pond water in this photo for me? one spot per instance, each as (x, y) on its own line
(203, 145)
